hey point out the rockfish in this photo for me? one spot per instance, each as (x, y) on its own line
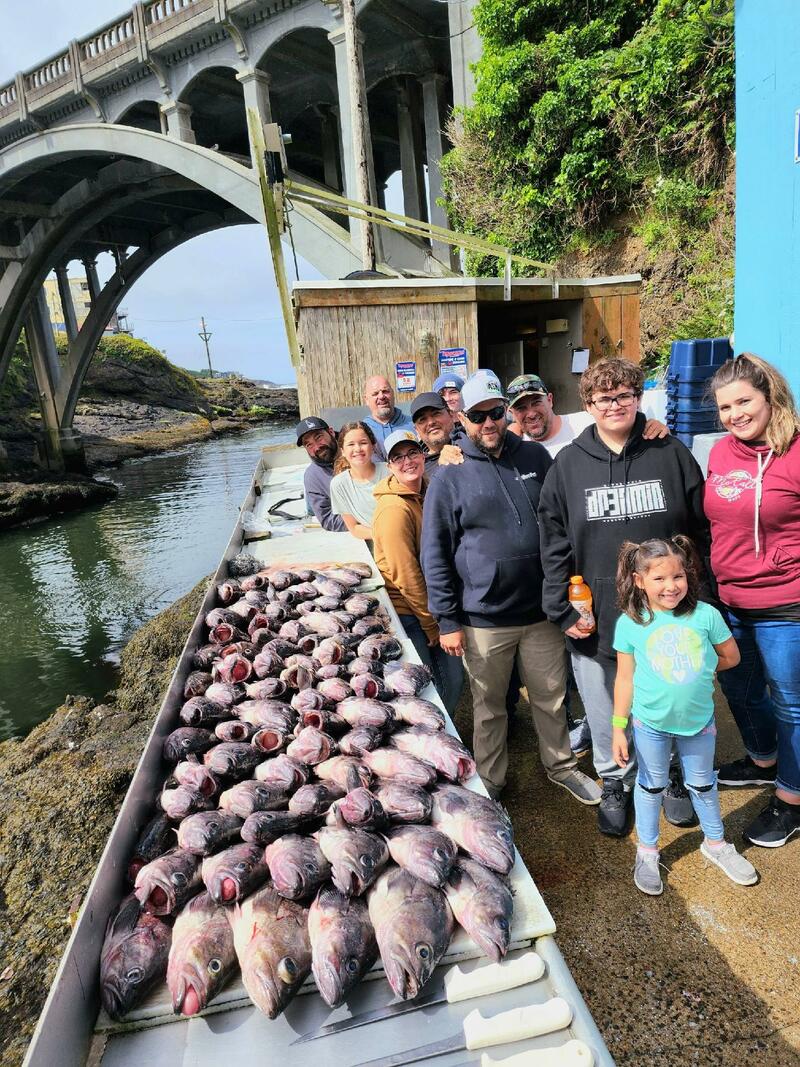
(164, 885)
(482, 903)
(356, 857)
(134, 957)
(297, 866)
(202, 957)
(478, 825)
(234, 874)
(343, 946)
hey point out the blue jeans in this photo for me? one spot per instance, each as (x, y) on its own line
(764, 694)
(696, 754)
(448, 671)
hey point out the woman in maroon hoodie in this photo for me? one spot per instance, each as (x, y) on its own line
(752, 498)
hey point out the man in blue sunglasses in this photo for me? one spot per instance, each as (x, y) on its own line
(480, 557)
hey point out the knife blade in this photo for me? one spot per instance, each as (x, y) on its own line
(519, 1024)
(458, 985)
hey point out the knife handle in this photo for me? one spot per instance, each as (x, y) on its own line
(517, 1024)
(573, 1054)
(494, 978)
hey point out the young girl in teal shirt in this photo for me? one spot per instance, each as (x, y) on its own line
(669, 644)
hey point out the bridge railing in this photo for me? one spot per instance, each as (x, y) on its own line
(152, 24)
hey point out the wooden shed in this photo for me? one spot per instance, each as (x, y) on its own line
(349, 330)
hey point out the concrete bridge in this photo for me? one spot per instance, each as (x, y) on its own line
(134, 140)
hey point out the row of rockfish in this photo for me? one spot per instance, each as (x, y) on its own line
(313, 818)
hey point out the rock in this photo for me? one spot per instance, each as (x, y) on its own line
(28, 498)
(59, 804)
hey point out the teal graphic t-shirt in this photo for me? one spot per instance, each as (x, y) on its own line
(673, 677)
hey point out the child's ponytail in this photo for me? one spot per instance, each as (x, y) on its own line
(631, 600)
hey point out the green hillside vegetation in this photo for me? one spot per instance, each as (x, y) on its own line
(600, 119)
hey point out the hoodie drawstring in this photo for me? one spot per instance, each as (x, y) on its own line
(508, 495)
(759, 493)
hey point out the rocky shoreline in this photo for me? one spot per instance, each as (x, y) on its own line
(62, 786)
(115, 429)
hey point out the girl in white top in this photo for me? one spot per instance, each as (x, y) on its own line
(356, 476)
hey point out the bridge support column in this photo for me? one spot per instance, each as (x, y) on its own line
(433, 106)
(349, 179)
(90, 266)
(410, 161)
(256, 85)
(67, 305)
(47, 373)
(179, 121)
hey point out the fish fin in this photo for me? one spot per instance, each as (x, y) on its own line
(125, 919)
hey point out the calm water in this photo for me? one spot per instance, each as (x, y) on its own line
(73, 590)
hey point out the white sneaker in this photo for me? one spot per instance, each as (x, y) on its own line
(737, 867)
(580, 785)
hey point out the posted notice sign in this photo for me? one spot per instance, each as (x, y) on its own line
(406, 376)
(453, 359)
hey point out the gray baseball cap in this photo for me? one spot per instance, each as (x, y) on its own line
(398, 438)
(480, 386)
(313, 422)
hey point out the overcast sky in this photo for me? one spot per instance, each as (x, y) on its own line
(225, 276)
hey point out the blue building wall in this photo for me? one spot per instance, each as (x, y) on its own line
(767, 307)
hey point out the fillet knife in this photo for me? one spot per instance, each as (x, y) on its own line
(458, 985)
(573, 1054)
(519, 1024)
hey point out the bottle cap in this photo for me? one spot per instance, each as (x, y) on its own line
(576, 579)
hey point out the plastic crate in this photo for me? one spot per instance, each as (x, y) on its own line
(691, 406)
(697, 376)
(709, 351)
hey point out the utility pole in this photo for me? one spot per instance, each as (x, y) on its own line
(360, 125)
(206, 338)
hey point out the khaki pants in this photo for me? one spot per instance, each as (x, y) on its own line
(489, 657)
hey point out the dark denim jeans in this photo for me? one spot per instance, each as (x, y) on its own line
(764, 693)
(448, 671)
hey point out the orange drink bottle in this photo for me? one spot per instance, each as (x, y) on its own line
(580, 597)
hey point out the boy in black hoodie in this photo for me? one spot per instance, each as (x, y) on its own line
(610, 485)
(480, 557)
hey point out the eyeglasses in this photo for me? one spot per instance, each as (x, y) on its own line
(479, 417)
(606, 403)
(400, 457)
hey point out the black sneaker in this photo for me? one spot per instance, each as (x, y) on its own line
(775, 825)
(744, 772)
(615, 804)
(676, 802)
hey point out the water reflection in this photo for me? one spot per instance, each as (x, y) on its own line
(73, 590)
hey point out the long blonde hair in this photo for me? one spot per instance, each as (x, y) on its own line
(784, 423)
(341, 463)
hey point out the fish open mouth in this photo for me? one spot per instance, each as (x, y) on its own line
(402, 978)
(329, 982)
(158, 899)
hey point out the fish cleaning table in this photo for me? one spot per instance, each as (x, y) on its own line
(232, 1029)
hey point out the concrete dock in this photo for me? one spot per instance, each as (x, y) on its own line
(707, 974)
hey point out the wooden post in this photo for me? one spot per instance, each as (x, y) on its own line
(273, 224)
(360, 125)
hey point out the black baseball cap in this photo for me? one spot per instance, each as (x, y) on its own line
(427, 400)
(311, 423)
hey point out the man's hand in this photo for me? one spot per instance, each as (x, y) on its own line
(576, 631)
(619, 746)
(654, 429)
(453, 644)
(449, 455)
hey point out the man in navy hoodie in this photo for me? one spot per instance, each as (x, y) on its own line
(318, 439)
(480, 557)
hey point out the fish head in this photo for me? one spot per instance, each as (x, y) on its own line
(202, 966)
(134, 955)
(336, 970)
(493, 844)
(272, 983)
(409, 966)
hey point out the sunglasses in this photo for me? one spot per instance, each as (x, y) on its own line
(478, 418)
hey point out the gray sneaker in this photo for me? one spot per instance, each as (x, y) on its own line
(646, 875)
(737, 868)
(580, 785)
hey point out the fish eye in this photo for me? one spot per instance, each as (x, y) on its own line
(240, 866)
(214, 966)
(213, 825)
(134, 975)
(352, 965)
(504, 836)
(287, 970)
(367, 861)
(503, 924)
(311, 868)
(439, 854)
(179, 878)
(186, 742)
(423, 951)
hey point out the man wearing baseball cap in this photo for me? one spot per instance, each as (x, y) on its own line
(437, 429)
(480, 557)
(449, 387)
(318, 439)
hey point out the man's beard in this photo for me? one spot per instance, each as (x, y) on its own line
(489, 450)
(325, 455)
